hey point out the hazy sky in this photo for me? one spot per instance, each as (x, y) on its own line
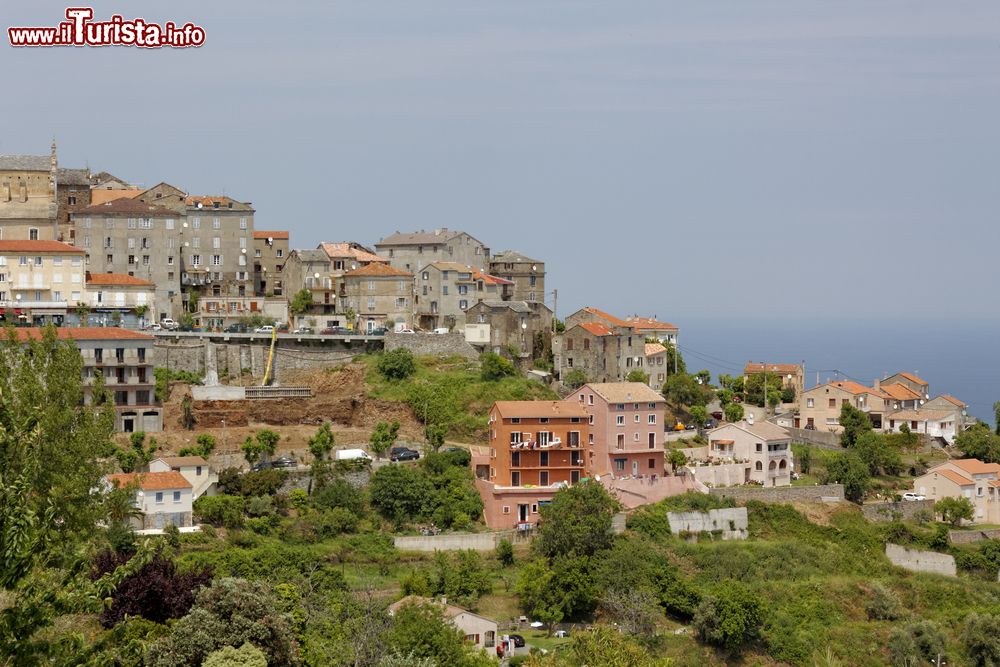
(678, 158)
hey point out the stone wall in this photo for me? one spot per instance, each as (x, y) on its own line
(232, 358)
(446, 345)
(921, 561)
(970, 536)
(883, 512)
(782, 493)
(823, 439)
(732, 522)
(449, 542)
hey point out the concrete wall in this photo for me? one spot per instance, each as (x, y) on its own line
(232, 358)
(921, 561)
(882, 512)
(817, 438)
(782, 493)
(432, 344)
(450, 542)
(970, 536)
(732, 522)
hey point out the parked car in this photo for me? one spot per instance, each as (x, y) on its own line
(404, 330)
(168, 324)
(403, 454)
(517, 641)
(711, 423)
(442, 330)
(377, 332)
(911, 496)
(236, 328)
(351, 455)
(266, 329)
(284, 462)
(689, 427)
(336, 331)
(678, 426)
(304, 330)
(282, 327)
(718, 415)
(186, 327)
(153, 327)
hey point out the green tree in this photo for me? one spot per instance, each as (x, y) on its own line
(301, 302)
(982, 639)
(979, 442)
(321, 444)
(682, 389)
(422, 631)
(955, 510)
(435, 434)
(730, 618)
(699, 415)
(637, 375)
(575, 379)
(996, 417)
(725, 397)
(204, 448)
(675, 360)
(538, 595)
(247, 655)
(576, 522)
(920, 642)
(401, 493)
(383, 437)
(396, 364)
(495, 367)
(676, 458)
(505, 553)
(260, 446)
(609, 647)
(733, 412)
(873, 449)
(848, 469)
(854, 422)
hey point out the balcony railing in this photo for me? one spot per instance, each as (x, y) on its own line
(554, 443)
(24, 303)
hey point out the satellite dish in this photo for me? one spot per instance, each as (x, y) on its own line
(199, 205)
(750, 418)
(534, 267)
(270, 239)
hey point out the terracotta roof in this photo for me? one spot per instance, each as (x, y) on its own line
(540, 409)
(350, 250)
(623, 392)
(607, 317)
(900, 392)
(975, 466)
(961, 480)
(953, 400)
(654, 348)
(151, 481)
(494, 280)
(377, 269)
(911, 377)
(128, 207)
(116, 279)
(596, 328)
(853, 387)
(208, 203)
(263, 235)
(39, 246)
(83, 333)
(99, 196)
(179, 461)
(784, 369)
(650, 323)
(474, 274)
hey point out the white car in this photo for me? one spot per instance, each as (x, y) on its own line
(404, 331)
(911, 496)
(168, 324)
(267, 328)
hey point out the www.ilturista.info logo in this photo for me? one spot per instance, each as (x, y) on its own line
(80, 30)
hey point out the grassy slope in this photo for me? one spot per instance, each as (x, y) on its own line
(452, 392)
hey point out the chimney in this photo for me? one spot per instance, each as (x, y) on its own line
(877, 384)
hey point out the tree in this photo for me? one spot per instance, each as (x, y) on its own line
(674, 361)
(188, 419)
(157, 591)
(730, 618)
(873, 449)
(260, 446)
(383, 437)
(854, 422)
(400, 493)
(577, 522)
(396, 364)
(204, 448)
(676, 458)
(495, 367)
(699, 415)
(636, 611)
(232, 612)
(575, 379)
(505, 552)
(247, 655)
(435, 434)
(301, 302)
(637, 375)
(996, 416)
(982, 639)
(537, 594)
(682, 389)
(955, 510)
(979, 442)
(733, 412)
(725, 397)
(186, 321)
(139, 455)
(321, 444)
(851, 471)
(421, 630)
(917, 643)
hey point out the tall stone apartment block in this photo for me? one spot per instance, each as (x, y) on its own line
(412, 251)
(527, 274)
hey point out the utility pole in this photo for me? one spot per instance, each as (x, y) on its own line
(555, 309)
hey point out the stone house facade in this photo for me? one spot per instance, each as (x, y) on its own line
(270, 251)
(412, 251)
(28, 206)
(379, 296)
(218, 246)
(445, 290)
(527, 274)
(510, 325)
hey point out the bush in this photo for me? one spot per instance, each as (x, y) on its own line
(575, 379)
(262, 483)
(247, 655)
(401, 493)
(494, 367)
(396, 364)
(917, 643)
(729, 618)
(220, 510)
(339, 493)
(505, 553)
(884, 604)
(982, 639)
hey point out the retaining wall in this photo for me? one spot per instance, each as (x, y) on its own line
(234, 357)
(731, 521)
(883, 512)
(782, 493)
(970, 536)
(449, 542)
(921, 561)
(446, 345)
(823, 439)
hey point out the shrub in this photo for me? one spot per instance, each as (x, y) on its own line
(339, 493)
(505, 553)
(262, 483)
(220, 510)
(396, 364)
(884, 604)
(495, 367)
(575, 379)
(729, 618)
(982, 639)
(401, 493)
(247, 655)
(917, 643)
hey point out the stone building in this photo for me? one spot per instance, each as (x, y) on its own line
(116, 299)
(321, 271)
(28, 206)
(521, 326)
(412, 251)
(72, 194)
(270, 250)
(218, 244)
(137, 239)
(166, 195)
(606, 348)
(378, 295)
(527, 274)
(40, 281)
(444, 290)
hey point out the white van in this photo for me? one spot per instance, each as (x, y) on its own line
(351, 455)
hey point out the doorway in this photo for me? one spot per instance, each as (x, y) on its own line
(522, 513)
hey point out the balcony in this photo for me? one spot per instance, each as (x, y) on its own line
(554, 443)
(25, 303)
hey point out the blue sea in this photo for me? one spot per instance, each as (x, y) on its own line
(957, 358)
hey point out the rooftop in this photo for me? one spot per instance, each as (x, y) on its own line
(25, 162)
(596, 328)
(975, 466)
(911, 377)
(959, 479)
(784, 369)
(625, 392)
(98, 197)
(607, 317)
(66, 176)
(654, 348)
(378, 269)
(352, 250)
(310, 255)
(954, 401)
(39, 246)
(516, 306)
(450, 610)
(183, 461)
(649, 323)
(151, 481)
(761, 429)
(512, 256)
(219, 202)
(560, 409)
(263, 235)
(900, 392)
(442, 235)
(116, 279)
(128, 206)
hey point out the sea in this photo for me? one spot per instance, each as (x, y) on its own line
(961, 358)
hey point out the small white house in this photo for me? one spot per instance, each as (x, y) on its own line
(477, 629)
(943, 424)
(163, 497)
(195, 469)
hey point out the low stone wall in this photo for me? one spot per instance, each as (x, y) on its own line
(823, 439)
(444, 345)
(450, 542)
(883, 512)
(970, 536)
(732, 522)
(780, 494)
(921, 561)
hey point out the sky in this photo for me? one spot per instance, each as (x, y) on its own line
(800, 158)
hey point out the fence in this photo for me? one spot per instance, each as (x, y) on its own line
(278, 392)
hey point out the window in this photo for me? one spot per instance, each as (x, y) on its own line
(833, 403)
(131, 223)
(216, 260)
(110, 259)
(652, 419)
(169, 223)
(543, 478)
(515, 420)
(515, 479)
(216, 223)
(71, 200)
(38, 261)
(256, 253)
(159, 497)
(243, 242)
(243, 223)
(444, 289)
(195, 223)
(279, 253)
(637, 419)
(177, 496)
(242, 260)
(131, 259)
(506, 509)
(371, 303)
(621, 441)
(216, 242)
(145, 223)
(196, 242)
(170, 260)
(809, 403)
(463, 304)
(130, 243)
(145, 260)
(195, 260)
(33, 234)
(620, 420)
(569, 344)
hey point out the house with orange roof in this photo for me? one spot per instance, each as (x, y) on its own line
(657, 360)
(903, 398)
(42, 281)
(116, 299)
(445, 290)
(820, 406)
(379, 296)
(972, 479)
(651, 328)
(910, 380)
(162, 498)
(605, 347)
(412, 251)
